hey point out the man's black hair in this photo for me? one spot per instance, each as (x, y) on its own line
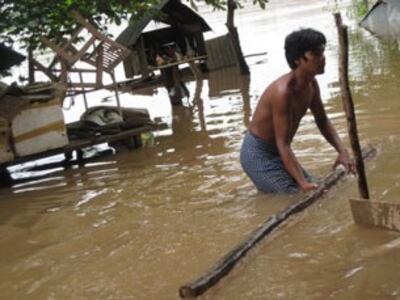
(299, 42)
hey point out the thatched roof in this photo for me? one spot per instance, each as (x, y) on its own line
(175, 13)
(9, 57)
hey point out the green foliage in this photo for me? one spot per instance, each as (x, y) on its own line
(28, 20)
(222, 4)
(359, 9)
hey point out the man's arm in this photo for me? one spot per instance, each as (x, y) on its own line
(282, 124)
(328, 131)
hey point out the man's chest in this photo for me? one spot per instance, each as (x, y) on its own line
(299, 104)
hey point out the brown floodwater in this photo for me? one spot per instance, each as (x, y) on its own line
(138, 224)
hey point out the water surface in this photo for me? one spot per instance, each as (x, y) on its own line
(139, 224)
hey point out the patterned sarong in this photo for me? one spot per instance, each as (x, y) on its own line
(262, 163)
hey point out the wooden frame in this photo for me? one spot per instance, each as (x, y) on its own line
(104, 57)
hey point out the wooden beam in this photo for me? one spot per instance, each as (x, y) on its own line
(94, 31)
(117, 95)
(348, 106)
(83, 85)
(58, 50)
(83, 92)
(83, 50)
(179, 62)
(70, 42)
(83, 143)
(99, 65)
(37, 65)
(374, 214)
(76, 70)
(31, 67)
(144, 66)
(226, 264)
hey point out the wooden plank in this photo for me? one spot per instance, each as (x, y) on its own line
(70, 42)
(220, 52)
(226, 264)
(83, 50)
(83, 85)
(38, 66)
(79, 144)
(77, 70)
(376, 214)
(144, 66)
(99, 67)
(31, 69)
(93, 30)
(176, 63)
(58, 50)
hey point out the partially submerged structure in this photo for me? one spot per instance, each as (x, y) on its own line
(383, 19)
(182, 36)
(96, 56)
(32, 124)
(179, 40)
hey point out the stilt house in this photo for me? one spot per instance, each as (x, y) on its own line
(182, 36)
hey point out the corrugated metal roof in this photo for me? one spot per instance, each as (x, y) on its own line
(175, 10)
(129, 36)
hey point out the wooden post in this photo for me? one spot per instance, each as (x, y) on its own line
(64, 72)
(31, 68)
(144, 67)
(83, 91)
(230, 24)
(349, 106)
(117, 95)
(99, 66)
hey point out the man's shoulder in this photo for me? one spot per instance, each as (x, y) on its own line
(282, 80)
(280, 87)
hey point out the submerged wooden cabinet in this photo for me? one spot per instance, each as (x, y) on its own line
(33, 122)
(39, 127)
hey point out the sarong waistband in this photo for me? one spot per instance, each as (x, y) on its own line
(261, 144)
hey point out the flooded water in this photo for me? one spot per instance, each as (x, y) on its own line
(139, 224)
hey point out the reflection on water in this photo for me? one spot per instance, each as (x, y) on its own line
(139, 224)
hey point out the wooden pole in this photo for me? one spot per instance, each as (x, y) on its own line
(31, 68)
(83, 92)
(233, 33)
(117, 94)
(226, 264)
(349, 106)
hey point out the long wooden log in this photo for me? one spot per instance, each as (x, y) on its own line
(349, 106)
(226, 264)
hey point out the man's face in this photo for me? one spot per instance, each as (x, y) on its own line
(314, 60)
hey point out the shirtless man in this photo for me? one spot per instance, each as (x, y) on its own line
(266, 155)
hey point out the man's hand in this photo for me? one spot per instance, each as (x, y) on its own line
(308, 186)
(343, 159)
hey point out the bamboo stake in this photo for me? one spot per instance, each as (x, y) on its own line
(349, 106)
(226, 263)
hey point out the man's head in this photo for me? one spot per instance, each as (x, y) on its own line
(299, 42)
